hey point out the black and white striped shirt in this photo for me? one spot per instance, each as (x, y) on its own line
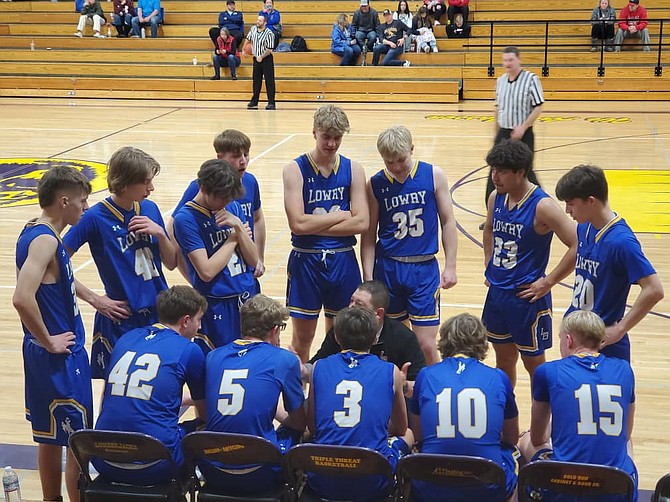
(515, 99)
(260, 40)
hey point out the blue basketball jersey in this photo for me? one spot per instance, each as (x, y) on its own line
(145, 380)
(408, 217)
(250, 201)
(57, 301)
(129, 263)
(195, 228)
(520, 255)
(609, 260)
(353, 397)
(324, 195)
(463, 404)
(590, 398)
(244, 380)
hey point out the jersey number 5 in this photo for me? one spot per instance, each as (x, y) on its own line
(231, 405)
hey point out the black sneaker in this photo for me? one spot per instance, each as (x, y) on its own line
(252, 106)
(271, 106)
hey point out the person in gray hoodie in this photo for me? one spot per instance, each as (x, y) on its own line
(365, 25)
(602, 25)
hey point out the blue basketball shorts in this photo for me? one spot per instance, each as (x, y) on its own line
(58, 394)
(106, 332)
(321, 278)
(221, 323)
(509, 319)
(414, 290)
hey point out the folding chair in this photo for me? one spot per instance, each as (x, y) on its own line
(578, 480)
(662, 492)
(456, 471)
(231, 450)
(123, 448)
(342, 461)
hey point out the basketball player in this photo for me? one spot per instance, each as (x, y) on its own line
(217, 252)
(585, 402)
(245, 380)
(609, 260)
(233, 146)
(406, 199)
(325, 203)
(520, 224)
(148, 369)
(57, 372)
(466, 408)
(356, 399)
(129, 244)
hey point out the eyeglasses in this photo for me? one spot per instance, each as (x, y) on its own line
(281, 326)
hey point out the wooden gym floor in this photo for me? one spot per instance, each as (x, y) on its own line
(631, 140)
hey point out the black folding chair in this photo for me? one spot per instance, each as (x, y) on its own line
(473, 474)
(343, 461)
(232, 450)
(538, 480)
(122, 448)
(662, 492)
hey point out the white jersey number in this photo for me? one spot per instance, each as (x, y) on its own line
(322, 210)
(611, 425)
(129, 383)
(471, 411)
(236, 265)
(353, 394)
(144, 264)
(232, 404)
(408, 223)
(511, 247)
(583, 294)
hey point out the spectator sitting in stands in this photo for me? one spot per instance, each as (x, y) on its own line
(273, 17)
(91, 12)
(436, 8)
(458, 7)
(226, 54)
(122, 17)
(404, 15)
(602, 25)
(422, 26)
(148, 13)
(392, 34)
(633, 23)
(342, 44)
(459, 28)
(366, 25)
(232, 20)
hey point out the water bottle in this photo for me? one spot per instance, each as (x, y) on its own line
(144, 33)
(10, 482)
(109, 32)
(32, 45)
(195, 60)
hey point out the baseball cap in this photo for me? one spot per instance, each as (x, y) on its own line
(386, 11)
(634, 1)
(230, 1)
(365, 3)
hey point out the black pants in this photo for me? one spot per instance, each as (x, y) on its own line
(265, 68)
(216, 31)
(529, 139)
(597, 31)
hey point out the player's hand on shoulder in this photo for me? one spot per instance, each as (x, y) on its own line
(116, 310)
(535, 291)
(448, 278)
(144, 225)
(259, 270)
(60, 344)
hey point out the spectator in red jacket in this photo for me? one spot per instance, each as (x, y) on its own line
(226, 54)
(122, 17)
(458, 7)
(632, 23)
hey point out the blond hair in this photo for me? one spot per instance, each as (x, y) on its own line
(463, 334)
(342, 20)
(394, 142)
(331, 119)
(585, 327)
(259, 315)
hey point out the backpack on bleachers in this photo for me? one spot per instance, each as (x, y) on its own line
(298, 44)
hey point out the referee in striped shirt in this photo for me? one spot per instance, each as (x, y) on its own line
(262, 41)
(519, 102)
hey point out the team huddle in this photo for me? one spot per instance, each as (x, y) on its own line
(374, 382)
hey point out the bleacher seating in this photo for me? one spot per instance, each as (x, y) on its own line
(62, 65)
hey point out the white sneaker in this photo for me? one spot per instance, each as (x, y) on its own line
(434, 49)
(98, 35)
(78, 34)
(426, 49)
(407, 63)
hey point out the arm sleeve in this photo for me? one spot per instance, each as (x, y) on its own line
(292, 392)
(186, 233)
(633, 261)
(194, 362)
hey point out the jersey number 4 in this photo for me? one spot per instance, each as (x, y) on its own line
(144, 264)
(133, 383)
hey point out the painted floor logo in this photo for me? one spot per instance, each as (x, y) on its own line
(19, 177)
